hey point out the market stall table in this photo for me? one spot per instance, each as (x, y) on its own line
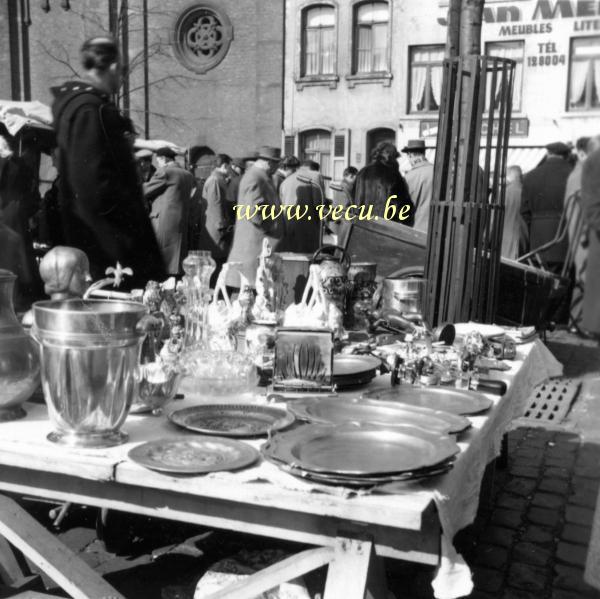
(350, 530)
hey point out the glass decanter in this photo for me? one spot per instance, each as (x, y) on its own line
(198, 267)
(19, 357)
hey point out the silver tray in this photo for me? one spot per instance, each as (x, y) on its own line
(232, 420)
(455, 401)
(332, 410)
(360, 450)
(186, 455)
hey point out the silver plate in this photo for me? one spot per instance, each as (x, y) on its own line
(332, 410)
(455, 401)
(187, 455)
(361, 450)
(348, 365)
(232, 420)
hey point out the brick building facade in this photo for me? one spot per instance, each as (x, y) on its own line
(214, 69)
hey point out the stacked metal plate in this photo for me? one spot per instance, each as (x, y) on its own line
(352, 371)
(340, 410)
(359, 455)
(455, 401)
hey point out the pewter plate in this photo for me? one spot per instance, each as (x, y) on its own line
(349, 365)
(186, 455)
(455, 401)
(332, 410)
(360, 450)
(232, 420)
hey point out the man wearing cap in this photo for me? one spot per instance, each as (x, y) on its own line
(170, 194)
(420, 182)
(146, 169)
(251, 228)
(542, 204)
(287, 166)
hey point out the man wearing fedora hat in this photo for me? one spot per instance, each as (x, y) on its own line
(256, 189)
(420, 181)
(170, 193)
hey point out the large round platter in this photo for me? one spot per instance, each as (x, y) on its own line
(455, 401)
(333, 410)
(187, 455)
(360, 450)
(235, 420)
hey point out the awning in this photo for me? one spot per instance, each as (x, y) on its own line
(525, 157)
(16, 115)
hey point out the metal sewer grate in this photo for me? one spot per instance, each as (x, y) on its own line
(550, 402)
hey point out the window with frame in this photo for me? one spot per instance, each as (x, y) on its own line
(426, 78)
(584, 74)
(371, 24)
(514, 50)
(316, 145)
(318, 41)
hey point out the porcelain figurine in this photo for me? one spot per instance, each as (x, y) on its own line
(269, 286)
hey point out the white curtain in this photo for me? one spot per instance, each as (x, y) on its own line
(513, 51)
(364, 45)
(418, 79)
(597, 77)
(327, 50)
(379, 40)
(437, 75)
(579, 73)
(311, 52)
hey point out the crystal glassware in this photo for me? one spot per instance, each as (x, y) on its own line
(198, 267)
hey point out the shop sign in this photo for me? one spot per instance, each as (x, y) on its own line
(519, 127)
(546, 10)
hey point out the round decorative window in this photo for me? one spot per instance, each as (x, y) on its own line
(203, 34)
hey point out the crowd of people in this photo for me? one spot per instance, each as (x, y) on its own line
(145, 204)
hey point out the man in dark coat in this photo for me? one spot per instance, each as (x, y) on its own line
(420, 182)
(252, 226)
(542, 202)
(218, 213)
(590, 203)
(381, 185)
(304, 188)
(287, 166)
(102, 206)
(169, 192)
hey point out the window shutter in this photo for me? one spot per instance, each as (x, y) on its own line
(289, 145)
(341, 153)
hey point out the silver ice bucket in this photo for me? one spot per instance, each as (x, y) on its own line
(90, 352)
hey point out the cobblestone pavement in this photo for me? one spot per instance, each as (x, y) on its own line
(531, 535)
(529, 540)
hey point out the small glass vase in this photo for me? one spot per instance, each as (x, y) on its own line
(19, 357)
(198, 267)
